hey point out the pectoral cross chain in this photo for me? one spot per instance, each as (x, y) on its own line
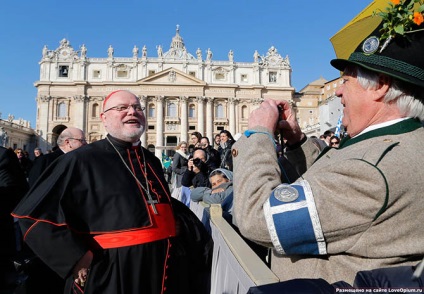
(152, 202)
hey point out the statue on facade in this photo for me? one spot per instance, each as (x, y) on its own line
(110, 51)
(231, 56)
(10, 118)
(45, 51)
(209, 54)
(83, 51)
(135, 51)
(160, 52)
(199, 54)
(272, 51)
(64, 43)
(144, 51)
(256, 56)
(3, 137)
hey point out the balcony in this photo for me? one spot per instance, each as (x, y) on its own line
(172, 120)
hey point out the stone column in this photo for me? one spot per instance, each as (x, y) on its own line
(184, 118)
(256, 74)
(209, 118)
(144, 102)
(159, 125)
(201, 115)
(79, 111)
(232, 115)
(44, 103)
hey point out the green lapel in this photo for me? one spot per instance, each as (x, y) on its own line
(401, 127)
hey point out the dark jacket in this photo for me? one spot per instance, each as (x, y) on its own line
(13, 187)
(213, 158)
(226, 157)
(200, 179)
(41, 164)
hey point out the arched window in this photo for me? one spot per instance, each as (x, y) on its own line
(95, 110)
(172, 109)
(61, 110)
(152, 110)
(219, 111)
(192, 111)
(244, 113)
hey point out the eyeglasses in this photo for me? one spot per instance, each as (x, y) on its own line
(126, 108)
(81, 140)
(334, 143)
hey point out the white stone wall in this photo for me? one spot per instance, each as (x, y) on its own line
(158, 81)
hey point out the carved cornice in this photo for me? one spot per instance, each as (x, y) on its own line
(159, 98)
(142, 98)
(257, 101)
(45, 98)
(183, 99)
(233, 100)
(201, 99)
(81, 98)
(210, 100)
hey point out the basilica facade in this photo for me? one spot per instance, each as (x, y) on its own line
(182, 92)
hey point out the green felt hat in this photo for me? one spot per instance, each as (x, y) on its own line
(401, 57)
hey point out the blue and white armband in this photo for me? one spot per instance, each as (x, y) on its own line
(293, 221)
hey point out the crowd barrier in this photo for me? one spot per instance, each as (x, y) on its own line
(235, 266)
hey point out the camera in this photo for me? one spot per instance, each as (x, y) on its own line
(280, 114)
(197, 162)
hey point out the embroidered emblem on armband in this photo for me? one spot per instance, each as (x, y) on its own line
(292, 220)
(286, 193)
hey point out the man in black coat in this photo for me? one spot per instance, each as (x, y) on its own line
(13, 186)
(70, 139)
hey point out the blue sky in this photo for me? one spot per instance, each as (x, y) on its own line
(298, 29)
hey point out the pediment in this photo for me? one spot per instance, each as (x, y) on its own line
(171, 76)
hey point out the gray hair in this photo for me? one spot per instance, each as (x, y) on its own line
(408, 104)
(66, 134)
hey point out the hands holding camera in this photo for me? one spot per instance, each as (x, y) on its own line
(194, 164)
(273, 114)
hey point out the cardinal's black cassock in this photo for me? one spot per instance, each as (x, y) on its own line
(111, 197)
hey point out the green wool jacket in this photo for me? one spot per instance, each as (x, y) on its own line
(369, 195)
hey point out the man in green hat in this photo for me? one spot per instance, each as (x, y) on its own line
(358, 207)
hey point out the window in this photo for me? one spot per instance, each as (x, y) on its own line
(219, 76)
(191, 111)
(243, 78)
(172, 110)
(219, 111)
(61, 110)
(151, 127)
(122, 73)
(244, 112)
(220, 128)
(95, 110)
(152, 110)
(192, 73)
(63, 71)
(96, 74)
(272, 77)
(151, 72)
(191, 128)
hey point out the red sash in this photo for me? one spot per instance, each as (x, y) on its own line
(163, 227)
